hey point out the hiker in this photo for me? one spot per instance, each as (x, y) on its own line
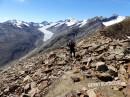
(71, 45)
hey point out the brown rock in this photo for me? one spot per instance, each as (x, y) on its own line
(27, 78)
(75, 79)
(27, 88)
(33, 85)
(33, 92)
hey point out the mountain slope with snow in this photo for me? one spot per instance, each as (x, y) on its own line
(114, 21)
(18, 23)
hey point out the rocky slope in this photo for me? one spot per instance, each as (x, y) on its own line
(101, 57)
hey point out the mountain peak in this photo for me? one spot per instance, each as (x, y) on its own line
(45, 23)
(17, 23)
(70, 22)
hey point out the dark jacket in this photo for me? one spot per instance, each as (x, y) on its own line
(71, 44)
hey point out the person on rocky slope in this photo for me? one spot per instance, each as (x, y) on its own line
(71, 46)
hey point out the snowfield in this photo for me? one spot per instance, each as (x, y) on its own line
(47, 34)
(115, 21)
(83, 23)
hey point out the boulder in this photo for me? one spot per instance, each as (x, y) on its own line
(101, 66)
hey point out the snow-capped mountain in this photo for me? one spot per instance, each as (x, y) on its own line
(17, 38)
(18, 23)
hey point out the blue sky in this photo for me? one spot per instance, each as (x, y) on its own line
(53, 10)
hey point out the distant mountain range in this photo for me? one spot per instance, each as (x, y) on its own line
(19, 38)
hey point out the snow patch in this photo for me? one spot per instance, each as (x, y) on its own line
(18, 23)
(47, 34)
(71, 22)
(115, 21)
(83, 23)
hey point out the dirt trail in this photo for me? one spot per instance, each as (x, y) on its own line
(65, 85)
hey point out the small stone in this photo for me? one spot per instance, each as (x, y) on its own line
(43, 85)
(116, 78)
(27, 88)
(61, 63)
(91, 93)
(27, 78)
(21, 72)
(6, 90)
(48, 70)
(33, 85)
(83, 68)
(75, 79)
(84, 89)
(33, 92)
(115, 88)
(38, 73)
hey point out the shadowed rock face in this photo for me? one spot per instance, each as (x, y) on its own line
(16, 42)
